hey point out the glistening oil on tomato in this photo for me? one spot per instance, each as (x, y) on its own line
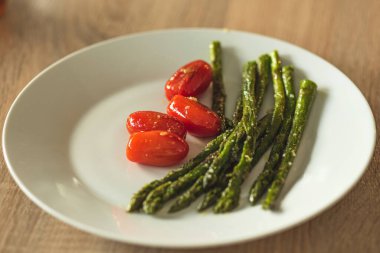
(142, 121)
(157, 148)
(190, 80)
(198, 119)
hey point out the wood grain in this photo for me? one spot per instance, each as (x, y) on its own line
(34, 34)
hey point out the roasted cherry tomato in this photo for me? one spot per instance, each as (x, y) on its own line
(157, 148)
(142, 121)
(190, 80)
(197, 118)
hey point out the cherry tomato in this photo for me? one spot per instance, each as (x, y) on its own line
(157, 148)
(189, 80)
(142, 121)
(197, 118)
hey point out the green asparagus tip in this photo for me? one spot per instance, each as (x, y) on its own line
(248, 65)
(215, 43)
(130, 209)
(274, 53)
(264, 57)
(287, 68)
(215, 50)
(308, 84)
(275, 59)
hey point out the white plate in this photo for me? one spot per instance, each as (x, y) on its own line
(64, 138)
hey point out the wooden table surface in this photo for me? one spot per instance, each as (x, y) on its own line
(34, 34)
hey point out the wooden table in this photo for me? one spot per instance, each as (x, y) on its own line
(34, 34)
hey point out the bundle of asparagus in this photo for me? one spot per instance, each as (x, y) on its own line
(220, 169)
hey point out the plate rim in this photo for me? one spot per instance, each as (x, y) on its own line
(215, 243)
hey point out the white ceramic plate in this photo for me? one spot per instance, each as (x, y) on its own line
(64, 138)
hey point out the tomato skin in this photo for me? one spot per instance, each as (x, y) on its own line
(142, 121)
(157, 148)
(198, 119)
(190, 80)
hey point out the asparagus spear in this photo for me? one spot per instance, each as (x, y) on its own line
(279, 94)
(263, 69)
(138, 198)
(265, 178)
(303, 106)
(249, 117)
(157, 198)
(278, 111)
(218, 92)
(230, 196)
(238, 111)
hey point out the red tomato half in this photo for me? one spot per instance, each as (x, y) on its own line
(142, 121)
(197, 118)
(157, 148)
(190, 80)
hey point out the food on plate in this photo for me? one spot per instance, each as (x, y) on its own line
(265, 178)
(302, 109)
(218, 172)
(231, 194)
(157, 148)
(198, 119)
(189, 80)
(142, 121)
(218, 91)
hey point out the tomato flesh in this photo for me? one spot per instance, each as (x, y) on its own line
(157, 148)
(142, 121)
(190, 80)
(198, 119)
